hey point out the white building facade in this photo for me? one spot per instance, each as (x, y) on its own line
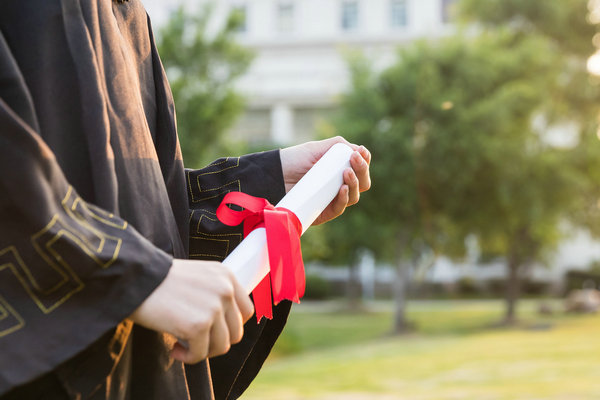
(301, 47)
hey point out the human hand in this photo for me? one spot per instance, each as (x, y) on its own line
(201, 304)
(297, 160)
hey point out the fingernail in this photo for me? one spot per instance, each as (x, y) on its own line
(358, 158)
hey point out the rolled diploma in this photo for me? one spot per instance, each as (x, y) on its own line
(249, 262)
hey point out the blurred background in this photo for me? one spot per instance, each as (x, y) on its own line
(471, 269)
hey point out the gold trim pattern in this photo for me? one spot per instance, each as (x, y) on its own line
(10, 320)
(52, 280)
(46, 298)
(223, 238)
(215, 246)
(204, 193)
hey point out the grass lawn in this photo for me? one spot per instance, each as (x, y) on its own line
(452, 355)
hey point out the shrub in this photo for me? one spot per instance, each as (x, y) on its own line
(317, 288)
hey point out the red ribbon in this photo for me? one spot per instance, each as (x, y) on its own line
(286, 279)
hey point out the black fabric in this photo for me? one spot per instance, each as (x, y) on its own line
(209, 239)
(48, 387)
(234, 372)
(94, 204)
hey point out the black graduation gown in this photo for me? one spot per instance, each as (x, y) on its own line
(94, 203)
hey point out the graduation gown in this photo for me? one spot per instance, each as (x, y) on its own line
(95, 203)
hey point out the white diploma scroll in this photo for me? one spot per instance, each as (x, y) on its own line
(249, 262)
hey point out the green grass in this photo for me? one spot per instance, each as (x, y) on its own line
(453, 355)
(311, 329)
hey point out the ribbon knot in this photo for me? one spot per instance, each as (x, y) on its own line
(286, 280)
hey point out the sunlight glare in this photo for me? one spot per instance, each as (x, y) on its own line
(593, 64)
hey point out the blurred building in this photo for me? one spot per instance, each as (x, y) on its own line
(441, 275)
(301, 69)
(301, 48)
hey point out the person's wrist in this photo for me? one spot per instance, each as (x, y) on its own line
(286, 156)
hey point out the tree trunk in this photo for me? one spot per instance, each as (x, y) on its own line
(353, 287)
(401, 284)
(512, 290)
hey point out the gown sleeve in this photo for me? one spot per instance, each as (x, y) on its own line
(258, 175)
(66, 266)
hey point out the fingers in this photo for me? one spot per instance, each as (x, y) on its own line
(238, 312)
(297, 160)
(180, 352)
(211, 338)
(357, 178)
(220, 335)
(336, 207)
(352, 182)
(246, 308)
(235, 325)
(194, 349)
(202, 304)
(339, 204)
(365, 153)
(360, 161)
(226, 329)
(228, 320)
(327, 143)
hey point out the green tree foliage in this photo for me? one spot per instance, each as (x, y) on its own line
(563, 22)
(202, 69)
(455, 149)
(575, 96)
(571, 94)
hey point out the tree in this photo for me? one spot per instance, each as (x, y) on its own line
(572, 32)
(570, 95)
(455, 150)
(202, 69)
(394, 219)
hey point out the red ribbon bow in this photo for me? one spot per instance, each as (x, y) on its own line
(286, 279)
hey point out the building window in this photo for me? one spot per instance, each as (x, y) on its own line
(448, 11)
(399, 13)
(285, 16)
(241, 10)
(349, 15)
